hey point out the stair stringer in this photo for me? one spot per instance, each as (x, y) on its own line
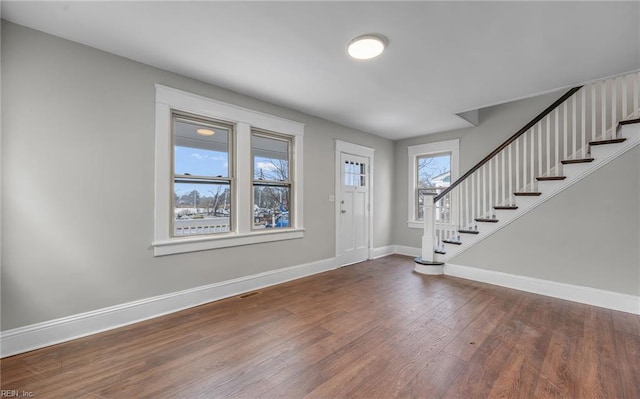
(574, 172)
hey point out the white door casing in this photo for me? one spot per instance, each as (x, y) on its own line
(353, 203)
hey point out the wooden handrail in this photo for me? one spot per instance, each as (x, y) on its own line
(511, 139)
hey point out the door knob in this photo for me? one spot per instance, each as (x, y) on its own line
(343, 211)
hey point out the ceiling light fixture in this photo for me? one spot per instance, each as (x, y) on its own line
(205, 132)
(366, 47)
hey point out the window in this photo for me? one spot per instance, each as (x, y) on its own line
(272, 186)
(433, 173)
(432, 168)
(201, 176)
(224, 175)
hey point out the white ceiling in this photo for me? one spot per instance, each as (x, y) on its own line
(443, 57)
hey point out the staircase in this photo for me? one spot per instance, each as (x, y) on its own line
(582, 131)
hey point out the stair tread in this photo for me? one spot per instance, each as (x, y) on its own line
(439, 252)
(468, 231)
(609, 141)
(579, 160)
(506, 207)
(527, 193)
(487, 220)
(550, 178)
(453, 242)
(426, 262)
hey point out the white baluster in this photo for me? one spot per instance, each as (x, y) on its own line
(556, 131)
(548, 154)
(614, 102)
(484, 190)
(497, 182)
(565, 131)
(593, 112)
(532, 161)
(624, 113)
(474, 204)
(510, 177)
(539, 124)
(517, 165)
(636, 89)
(583, 104)
(603, 100)
(503, 178)
(574, 127)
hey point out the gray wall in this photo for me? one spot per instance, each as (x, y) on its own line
(77, 184)
(587, 235)
(497, 123)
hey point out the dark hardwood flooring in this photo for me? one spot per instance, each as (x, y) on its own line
(371, 330)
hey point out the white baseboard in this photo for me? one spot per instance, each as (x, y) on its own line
(408, 251)
(24, 339)
(587, 295)
(382, 252)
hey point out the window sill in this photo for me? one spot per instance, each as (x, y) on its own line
(203, 243)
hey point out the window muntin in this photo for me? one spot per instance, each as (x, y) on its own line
(202, 186)
(433, 174)
(272, 183)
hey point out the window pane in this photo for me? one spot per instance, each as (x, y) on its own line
(271, 206)
(434, 170)
(270, 158)
(354, 174)
(201, 149)
(201, 208)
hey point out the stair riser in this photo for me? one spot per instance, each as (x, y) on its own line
(577, 169)
(600, 151)
(546, 186)
(524, 202)
(502, 214)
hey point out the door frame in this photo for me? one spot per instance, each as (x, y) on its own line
(361, 151)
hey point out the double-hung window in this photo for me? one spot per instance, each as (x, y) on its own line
(224, 175)
(432, 168)
(202, 186)
(272, 183)
(433, 173)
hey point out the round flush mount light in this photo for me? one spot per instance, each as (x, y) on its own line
(205, 132)
(366, 47)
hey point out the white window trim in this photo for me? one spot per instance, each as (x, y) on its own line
(169, 99)
(415, 151)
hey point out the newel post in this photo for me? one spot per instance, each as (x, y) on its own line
(426, 264)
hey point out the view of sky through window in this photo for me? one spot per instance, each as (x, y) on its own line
(432, 170)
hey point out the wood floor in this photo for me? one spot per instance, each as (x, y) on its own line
(371, 330)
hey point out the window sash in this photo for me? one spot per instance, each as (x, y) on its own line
(415, 154)
(289, 183)
(424, 188)
(178, 178)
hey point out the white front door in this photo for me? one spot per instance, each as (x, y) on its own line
(353, 206)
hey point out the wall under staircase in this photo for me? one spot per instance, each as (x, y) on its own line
(588, 235)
